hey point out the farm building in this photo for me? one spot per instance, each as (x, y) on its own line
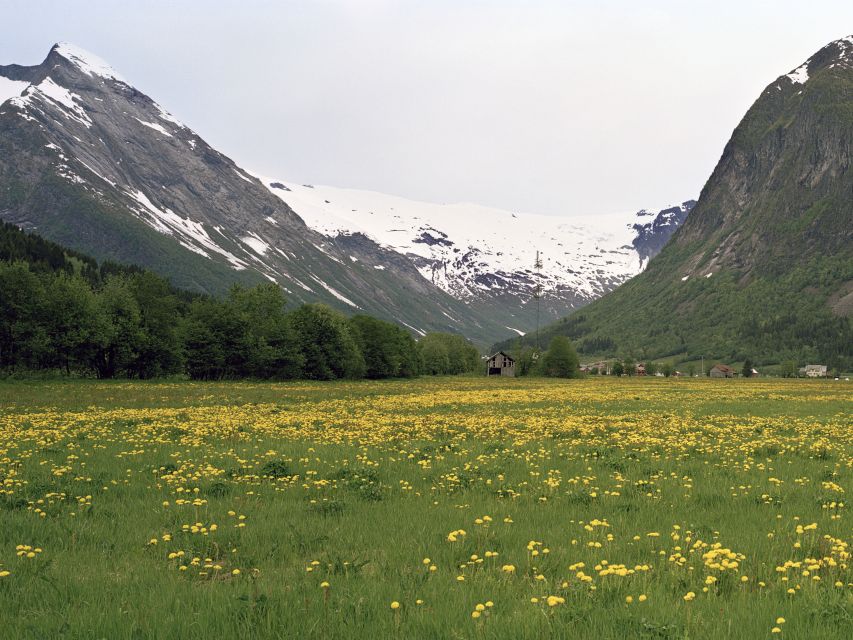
(500, 364)
(722, 371)
(602, 368)
(815, 370)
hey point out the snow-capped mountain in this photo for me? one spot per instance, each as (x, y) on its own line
(89, 161)
(474, 252)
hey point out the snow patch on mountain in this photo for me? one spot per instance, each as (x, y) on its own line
(62, 97)
(800, 75)
(335, 293)
(11, 88)
(87, 62)
(420, 332)
(845, 46)
(256, 244)
(192, 235)
(153, 125)
(242, 177)
(102, 177)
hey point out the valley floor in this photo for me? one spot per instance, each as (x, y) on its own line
(434, 508)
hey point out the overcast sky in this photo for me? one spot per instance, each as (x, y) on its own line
(550, 107)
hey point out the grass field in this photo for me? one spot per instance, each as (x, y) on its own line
(436, 508)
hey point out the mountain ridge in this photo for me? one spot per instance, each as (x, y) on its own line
(476, 253)
(93, 163)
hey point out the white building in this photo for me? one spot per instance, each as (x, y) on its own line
(815, 370)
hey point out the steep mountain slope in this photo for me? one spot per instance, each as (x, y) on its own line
(763, 266)
(90, 162)
(486, 256)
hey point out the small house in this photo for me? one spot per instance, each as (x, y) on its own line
(500, 364)
(601, 368)
(641, 369)
(722, 371)
(815, 371)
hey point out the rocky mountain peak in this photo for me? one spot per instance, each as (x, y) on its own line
(838, 53)
(84, 61)
(66, 61)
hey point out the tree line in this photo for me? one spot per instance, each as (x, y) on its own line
(560, 360)
(71, 315)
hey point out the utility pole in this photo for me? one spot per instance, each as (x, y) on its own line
(537, 294)
(702, 374)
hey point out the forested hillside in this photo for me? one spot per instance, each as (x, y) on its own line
(763, 266)
(62, 311)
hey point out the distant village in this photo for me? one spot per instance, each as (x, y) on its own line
(503, 364)
(719, 370)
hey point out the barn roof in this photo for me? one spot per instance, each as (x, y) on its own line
(505, 355)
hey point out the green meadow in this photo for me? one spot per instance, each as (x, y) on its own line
(427, 508)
